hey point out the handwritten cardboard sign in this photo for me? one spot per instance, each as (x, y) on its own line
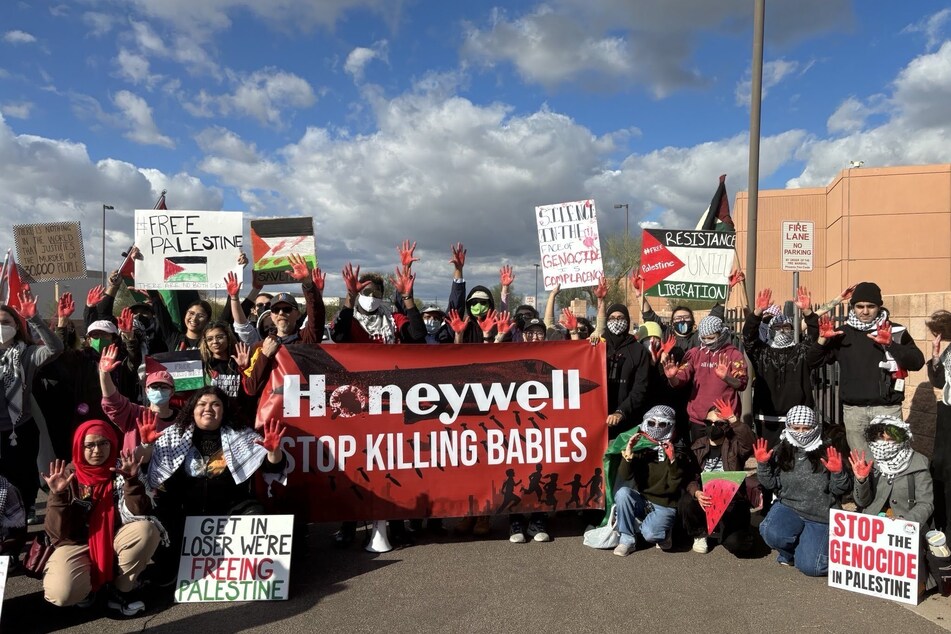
(235, 558)
(273, 240)
(569, 244)
(187, 249)
(49, 252)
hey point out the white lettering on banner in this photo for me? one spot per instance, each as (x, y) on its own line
(446, 448)
(424, 398)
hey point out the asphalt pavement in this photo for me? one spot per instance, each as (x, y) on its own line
(450, 584)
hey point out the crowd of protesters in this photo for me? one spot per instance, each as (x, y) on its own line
(134, 458)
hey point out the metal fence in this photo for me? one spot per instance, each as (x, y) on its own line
(825, 380)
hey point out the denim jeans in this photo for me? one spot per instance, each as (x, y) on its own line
(856, 418)
(637, 515)
(798, 540)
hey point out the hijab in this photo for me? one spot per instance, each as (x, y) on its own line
(102, 514)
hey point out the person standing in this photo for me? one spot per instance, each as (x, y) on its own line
(939, 373)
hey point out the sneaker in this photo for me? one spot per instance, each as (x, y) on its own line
(785, 562)
(483, 526)
(667, 544)
(345, 536)
(516, 533)
(125, 604)
(88, 601)
(623, 550)
(538, 531)
(700, 545)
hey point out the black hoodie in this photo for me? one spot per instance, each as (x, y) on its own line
(628, 367)
(473, 333)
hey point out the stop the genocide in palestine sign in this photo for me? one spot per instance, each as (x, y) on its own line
(687, 264)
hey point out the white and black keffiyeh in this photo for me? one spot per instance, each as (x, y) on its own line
(891, 457)
(771, 310)
(779, 338)
(125, 515)
(809, 440)
(659, 413)
(946, 362)
(710, 326)
(854, 321)
(379, 324)
(174, 448)
(14, 387)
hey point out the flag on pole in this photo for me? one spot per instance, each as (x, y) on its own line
(717, 216)
(13, 285)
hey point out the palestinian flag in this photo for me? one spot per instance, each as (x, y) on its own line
(186, 268)
(717, 216)
(185, 367)
(273, 240)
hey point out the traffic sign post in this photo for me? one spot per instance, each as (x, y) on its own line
(798, 255)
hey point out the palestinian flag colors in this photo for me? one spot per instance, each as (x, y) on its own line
(687, 264)
(184, 366)
(273, 240)
(186, 268)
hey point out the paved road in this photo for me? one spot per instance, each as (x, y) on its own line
(494, 586)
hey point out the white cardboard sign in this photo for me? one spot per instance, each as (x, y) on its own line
(569, 244)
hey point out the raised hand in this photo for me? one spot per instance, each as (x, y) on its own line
(146, 422)
(406, 254)
(351, 278)
(242, 355)
(760, 452)
(273, 432)
(232, 284)
(668, 450)
(125, 322)
(860, 467)
(319, 278)
(95, 295)
(724, 409)
(503, 321)
(242, 259)
(458, 258)
(847, 293)
(637, 282)
(403, 282)
(803, 299)
(883, 335)
(27, 303)
(763, 299)
(128, 464)
(56, 479)
(723, 366)
(66, 306)
(601, 290)
(107, 360)
(488, 323)
(670, 368)
(458, 325)
(833, 460)
(736, 277)
(506, 276)
(670, 342)
(299, 269)
(827, 328)
(568, 319)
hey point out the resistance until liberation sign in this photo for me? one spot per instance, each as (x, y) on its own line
(687, 264)
(798, 253)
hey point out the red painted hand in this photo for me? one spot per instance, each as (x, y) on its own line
(319, 278)
(669, 344)
(760, 452)
(124, 323)
(668, 450)
(568, 319)
(406, 251)
(299, 269)
(273, 432)
(95, 295)
(107, 360)
(827, 329)
(506, 276)
(736, 277)
(860, 467)
(66, 306)
(403, 282)
(458, 325)
(847, 293)
(637, 282)
(883, 335)
(763, 299)
(670, 368)
(488, 323)
(503, 322)
(146, 422)
(724, 409)
(351, 279)
(458, 258)
(833, 460)
(803, 299)
(601, 290)
(232, 284)
(27, 303)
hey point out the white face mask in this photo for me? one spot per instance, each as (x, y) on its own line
(369, 303)
(7, 333)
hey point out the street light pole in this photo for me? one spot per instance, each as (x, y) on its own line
(104, 207)
(627, 236)
(536, 285)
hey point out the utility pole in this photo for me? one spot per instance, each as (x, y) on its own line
(756, 102)
(104, 207)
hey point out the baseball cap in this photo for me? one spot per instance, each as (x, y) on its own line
(284, 298)
(102, 325)
(534, 323)
(161, 376)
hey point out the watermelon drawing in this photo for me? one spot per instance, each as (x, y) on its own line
(721, 486)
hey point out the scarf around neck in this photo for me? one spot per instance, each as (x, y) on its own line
(808, 440)
(854, 321)
(102, 515)
(14, 382)
(378, 324)
(891, 458)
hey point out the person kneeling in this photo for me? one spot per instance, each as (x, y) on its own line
(659, 470)
(97, 541)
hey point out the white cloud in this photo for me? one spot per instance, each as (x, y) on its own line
(17, 110)
(850, 116)
(46, 180)
(604, 44)
(137, 117)
(135, 68)
(99, 23)
(774, 71)
(183, 48)
(264, 95)
(932, 27)
(226, 144)
(361, 56)
(18, 37)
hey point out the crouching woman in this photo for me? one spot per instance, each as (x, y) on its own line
(95, 519)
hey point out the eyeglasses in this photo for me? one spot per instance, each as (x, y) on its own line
(658, 423)
(681, 318)
(282, 310)
(92, 446)
(533, 334)
(265, 305)
(196, 315)
(214, 338)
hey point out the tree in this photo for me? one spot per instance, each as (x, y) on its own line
(621, 253)
(514, 300)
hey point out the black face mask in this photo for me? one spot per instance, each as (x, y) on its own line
(717, 430)
(523, 318)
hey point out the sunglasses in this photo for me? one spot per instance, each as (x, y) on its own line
(282, 310)
(265, 305)
(658, 423)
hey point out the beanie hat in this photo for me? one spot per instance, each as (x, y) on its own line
(866, 292)
(649, 329)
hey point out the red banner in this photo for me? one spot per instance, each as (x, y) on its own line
(390, 432)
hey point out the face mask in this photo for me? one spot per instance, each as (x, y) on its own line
(618, 326)
(142, 322)
(432, 326)
(158, 395)
(717, 430)
(521, 319)
(477, 310)
(7, 333)
(368, 303)
(98, 343)
(683, 327)
(781, 339)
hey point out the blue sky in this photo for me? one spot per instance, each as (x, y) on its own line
(446, 121)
